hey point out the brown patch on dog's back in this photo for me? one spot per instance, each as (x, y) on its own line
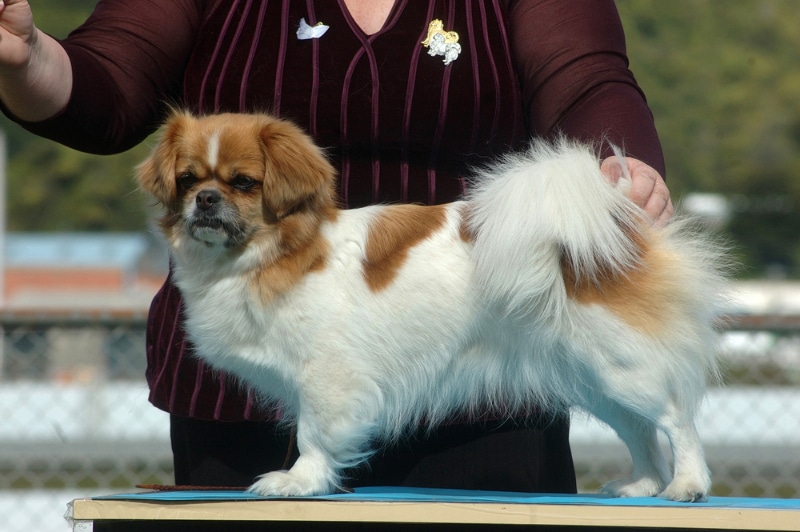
(391, 234)
(642, 296)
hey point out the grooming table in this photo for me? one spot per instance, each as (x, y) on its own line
(422, 509)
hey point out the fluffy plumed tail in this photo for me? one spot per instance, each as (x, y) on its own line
(536, 210)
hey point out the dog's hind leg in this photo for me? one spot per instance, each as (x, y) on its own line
(692, 480)
(650, 469)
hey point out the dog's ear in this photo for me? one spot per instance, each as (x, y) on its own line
(297, 170)
(156, 174)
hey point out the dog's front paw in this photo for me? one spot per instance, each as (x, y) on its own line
(633, 487)
(289, 484)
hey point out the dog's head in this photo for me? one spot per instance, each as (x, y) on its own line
(227, 179)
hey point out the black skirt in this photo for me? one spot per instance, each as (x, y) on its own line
(524, 456)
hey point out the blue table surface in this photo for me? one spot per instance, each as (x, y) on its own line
(397, 494)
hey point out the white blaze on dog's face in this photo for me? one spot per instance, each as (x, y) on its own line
(226, 179)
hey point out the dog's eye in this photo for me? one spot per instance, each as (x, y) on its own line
(243, 182)
(186, 180)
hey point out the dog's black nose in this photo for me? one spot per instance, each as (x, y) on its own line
(207, 198)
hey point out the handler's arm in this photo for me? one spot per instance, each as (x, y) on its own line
(123, 67)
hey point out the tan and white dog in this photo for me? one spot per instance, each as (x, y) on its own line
(546, 285)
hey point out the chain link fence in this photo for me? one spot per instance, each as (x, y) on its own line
(76, 421)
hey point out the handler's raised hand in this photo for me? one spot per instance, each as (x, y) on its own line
(17, 33)
(648, 189)
(35, 71)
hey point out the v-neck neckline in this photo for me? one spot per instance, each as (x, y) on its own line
(387, 23)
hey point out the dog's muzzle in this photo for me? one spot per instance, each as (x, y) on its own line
(214, 221)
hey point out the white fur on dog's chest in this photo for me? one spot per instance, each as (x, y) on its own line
(225, 319)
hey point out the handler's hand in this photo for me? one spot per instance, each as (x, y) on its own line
(648, 189)
(17, 33)
(35, 70)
